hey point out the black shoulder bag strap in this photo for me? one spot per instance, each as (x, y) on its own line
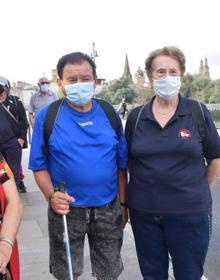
(132, 123)
(111, 115)
(50, 119)
(9, 113)
(16, 104)
(195, 108)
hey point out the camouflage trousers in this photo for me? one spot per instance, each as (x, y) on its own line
(103, 227)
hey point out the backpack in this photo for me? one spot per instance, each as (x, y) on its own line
(53, 112)
(13, 265)
(194, 107)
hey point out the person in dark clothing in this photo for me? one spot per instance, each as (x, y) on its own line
(13, 129)
(172, 169)
(123, 108)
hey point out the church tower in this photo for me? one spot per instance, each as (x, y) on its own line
(54, 75)
(206, 69)
(127, 72)
(201, 67)
(139, 79)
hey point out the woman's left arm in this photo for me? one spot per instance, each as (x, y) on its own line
(13, 210)
(213, 171)
(10, 223)
(211, 148)
(122, 191)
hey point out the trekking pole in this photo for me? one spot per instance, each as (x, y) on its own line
(66, 238)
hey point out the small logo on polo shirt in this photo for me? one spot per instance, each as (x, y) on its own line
(85, 123)
(184, 133)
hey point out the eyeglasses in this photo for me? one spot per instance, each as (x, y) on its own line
(44, 83)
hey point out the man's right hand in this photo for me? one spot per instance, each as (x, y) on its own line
(59, 202)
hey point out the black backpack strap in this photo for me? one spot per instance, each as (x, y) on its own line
(195, 108)
(50, 119)
(132, 123)
(111, 115)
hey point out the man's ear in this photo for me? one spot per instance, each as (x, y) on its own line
(61, 87)
(59, 83)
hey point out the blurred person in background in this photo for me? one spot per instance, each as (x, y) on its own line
(13, 130)
(44, 96)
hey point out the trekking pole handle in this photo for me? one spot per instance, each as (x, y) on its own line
(62, 187)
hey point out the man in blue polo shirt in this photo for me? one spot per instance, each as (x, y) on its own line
(85, 153)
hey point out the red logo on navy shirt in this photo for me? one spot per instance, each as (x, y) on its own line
(184, 133)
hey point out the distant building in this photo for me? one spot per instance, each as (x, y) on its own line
(53, 85)
(54, 75)
(24, 91)
(127, 73)
(204, 69)
(139, 78)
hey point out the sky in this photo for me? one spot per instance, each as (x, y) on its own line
(36, 33)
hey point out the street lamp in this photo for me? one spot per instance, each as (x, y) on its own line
(94, 53)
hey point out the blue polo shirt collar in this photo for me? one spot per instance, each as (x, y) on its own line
(181, 109)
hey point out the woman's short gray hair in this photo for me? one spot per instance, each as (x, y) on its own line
(171, 51)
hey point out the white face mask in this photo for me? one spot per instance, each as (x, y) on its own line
(168, 87)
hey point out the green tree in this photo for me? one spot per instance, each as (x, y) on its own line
(200, 85)
(143, 94)
(119, 89)
(214, 98)
(187, 88)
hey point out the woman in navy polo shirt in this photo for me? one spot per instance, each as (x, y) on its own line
(171, 172)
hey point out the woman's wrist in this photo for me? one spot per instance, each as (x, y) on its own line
(7, 240)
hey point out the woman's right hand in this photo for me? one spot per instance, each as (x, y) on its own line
(5, 254)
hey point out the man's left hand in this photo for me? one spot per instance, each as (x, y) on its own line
(124, 213)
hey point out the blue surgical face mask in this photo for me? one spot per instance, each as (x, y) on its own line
(80, 93)
(44, 87)
(168, 87)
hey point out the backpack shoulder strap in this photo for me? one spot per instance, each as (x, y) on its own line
(111, 115)
(132, 123)
(50, 119)
(195, 108)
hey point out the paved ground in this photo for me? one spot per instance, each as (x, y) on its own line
(33, 238)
